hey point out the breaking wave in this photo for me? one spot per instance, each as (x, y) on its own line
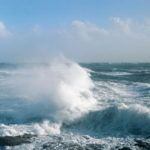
(118, 120)
(59, 91)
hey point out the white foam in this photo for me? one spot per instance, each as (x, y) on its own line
(46, 128)
(115, 73)
(43, 128)
(60, 91)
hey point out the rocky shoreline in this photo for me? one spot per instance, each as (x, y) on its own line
(15, 140)
(60, 144)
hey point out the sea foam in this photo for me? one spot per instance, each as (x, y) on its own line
(61, 90)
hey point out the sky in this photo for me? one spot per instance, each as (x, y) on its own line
(82, 30)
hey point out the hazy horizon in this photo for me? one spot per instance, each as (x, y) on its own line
(84, 31)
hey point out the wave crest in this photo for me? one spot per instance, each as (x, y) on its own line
(59, 91)
(118, 120)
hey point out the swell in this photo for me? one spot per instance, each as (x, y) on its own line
(114, 120)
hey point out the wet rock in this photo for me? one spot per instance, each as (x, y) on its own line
(125, 148)
(142, 144)
(86, 137)
(93, 147)
(15, 140)
(49, 145)
(74, 146)
(71, 146)
(62, 145)
(148, 137)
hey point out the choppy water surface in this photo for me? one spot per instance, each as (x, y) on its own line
(64, 105)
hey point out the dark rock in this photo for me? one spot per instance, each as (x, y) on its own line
(93, 147)
(148, 137)
(125, 148)
(62, 145)
(49, 145)
(86, 137)
(142, 144)
(74, 146)
(15, 140)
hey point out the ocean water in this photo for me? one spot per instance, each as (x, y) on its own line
(66, 105)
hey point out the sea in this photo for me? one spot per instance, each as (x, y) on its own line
(64, 105)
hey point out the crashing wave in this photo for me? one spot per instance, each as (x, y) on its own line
(115, 120)
(59, 91)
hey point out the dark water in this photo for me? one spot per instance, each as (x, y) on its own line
(66, 105)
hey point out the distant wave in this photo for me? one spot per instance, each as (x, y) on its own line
(115, 73)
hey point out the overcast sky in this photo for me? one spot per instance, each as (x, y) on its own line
(82, 30)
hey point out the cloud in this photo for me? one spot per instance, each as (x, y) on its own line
(87, 30)
(118, 27)
(122, 25)
(123, 40)
(4, 32)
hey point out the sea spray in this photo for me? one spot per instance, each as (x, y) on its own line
(61, 90)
